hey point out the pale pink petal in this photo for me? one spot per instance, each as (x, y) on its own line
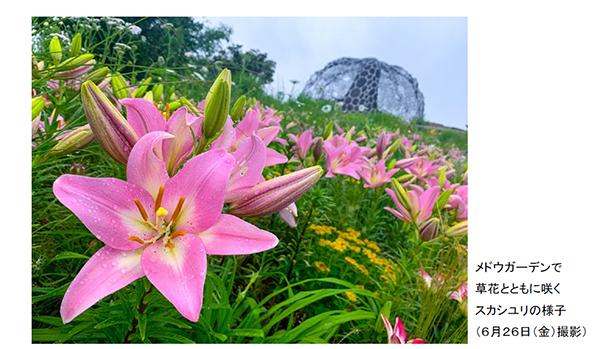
(175, 151)
(388, 326)
(143, 116)
(231, 235)
(288, 214)
(203, 183)
(226, 139)
(274, 158)
(268, 134)
(249, 163)
(248, 125)
(144, 168)
(178, 272)
(106, 272)
(107, 208)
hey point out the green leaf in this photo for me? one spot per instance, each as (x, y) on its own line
(142, 321)
(68, 255)
(246, 332)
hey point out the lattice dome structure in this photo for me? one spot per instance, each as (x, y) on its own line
(366, 85)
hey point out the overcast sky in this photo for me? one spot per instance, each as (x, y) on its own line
(432, 50)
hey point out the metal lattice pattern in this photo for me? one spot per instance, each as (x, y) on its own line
(366, 85)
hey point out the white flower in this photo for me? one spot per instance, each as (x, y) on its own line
(61, 36)
(122, 46)
(143, 38)
(135, 30)
(361, 108)
(188, 54)
(204, 70)
(170, 71)
(339, 104)
(326, 108)
(167, 25)
(197, 75)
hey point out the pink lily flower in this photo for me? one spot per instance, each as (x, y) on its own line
(249, 126)
(421, 204)
(156, 226)
(460, 199)
(398, 335)
(461, 294)
(343, 158)
(440, 280)
(250, 158)
(422, 168)
(302, 144)
(376, 175)
(406, 143)
(288, 214)
(145, 118)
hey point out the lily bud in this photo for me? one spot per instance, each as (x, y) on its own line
(78, 169)
(76, 45)
(290, 125)
(119, 86)
(404, 163)
(112, 131)
(157, 92)
(317, 149)
(327, 130)
(148, 97)
(75, 72)
(73, 141)
(406, 178)
(380, 147)
(371, 153)
(442, 179)
(55, 50)
(237, 112)
(392, 149)
(400, 194)
(429, 229)
(191, 108)
(174, 105)
(391, 165)
(225, 76)
(458, 230)
(339, 129)
(74, 62)
(37, 105)
(275, 194)
(361, 138)
(216, 109)
(141, 91)
(99, 74)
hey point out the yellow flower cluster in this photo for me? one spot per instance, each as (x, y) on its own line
(351, 296)
(322, 229)
(350, 240)
(321, 266)
(352, 180)
(359, 266)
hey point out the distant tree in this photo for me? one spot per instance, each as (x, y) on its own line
(251, 62)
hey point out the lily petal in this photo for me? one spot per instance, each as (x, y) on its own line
(107, 208)
(144, 168)
(226, 139)
(177, 150)
(250, 161)
(178, 272)
(106, 272)
(143, 116)
(203, 183)
(274, 158)
(231, 235)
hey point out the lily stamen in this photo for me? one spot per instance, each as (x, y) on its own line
(177, 209)
(136, 239)
(170, 245)
(176, 234)
(141, 209)
(159, 197)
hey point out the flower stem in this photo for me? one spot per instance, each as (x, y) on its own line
(289, 274)
(141, 308)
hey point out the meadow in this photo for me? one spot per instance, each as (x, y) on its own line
(183, 204)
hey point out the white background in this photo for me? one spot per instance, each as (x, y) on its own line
(533, 92)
